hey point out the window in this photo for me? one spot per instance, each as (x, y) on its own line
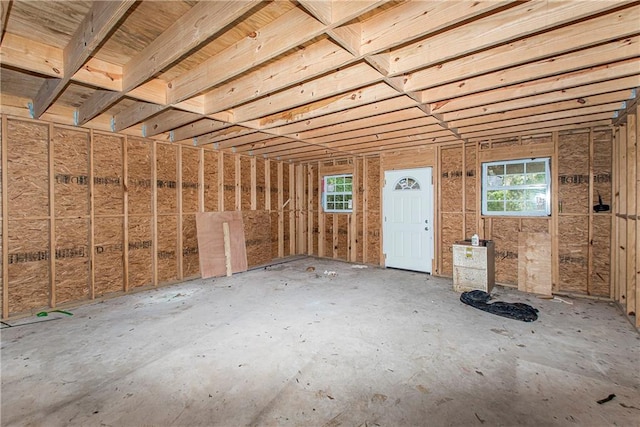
(337, 193)
(407, 183)
(516, 187)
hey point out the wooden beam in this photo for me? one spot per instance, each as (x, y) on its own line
(288, 31)
(320, 9)
(349, 100)
(414, 20)
(556, 83)
(125, 214)
(254, 183)
(537, 131)
(540, 118)
(343, 80)
(166, 121)
(224, 134)
(135, 114)
(378, 129)
(96, 26)
(402, 135)
(631, 209)
(299, 66)
(247, 142)
(618, 96)
(95, 105)
(279, 209)
(517, 22)
(597, 56)
(541, 99)
(637, 223)
(5, 6)
(533, 48)
(197, 128)
(188, 32)
(52, 218)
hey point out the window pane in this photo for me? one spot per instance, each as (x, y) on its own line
(515, 205)
(495, 206)
(536, 167)
(515, 168)
(536, 178)
(495, 195)
(513, 180)
(495, 170)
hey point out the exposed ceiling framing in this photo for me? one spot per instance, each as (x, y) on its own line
(318, 79)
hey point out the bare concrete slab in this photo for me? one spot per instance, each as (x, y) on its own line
(336, 346)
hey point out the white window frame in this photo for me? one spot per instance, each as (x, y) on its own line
(543, 189)
(337, 197)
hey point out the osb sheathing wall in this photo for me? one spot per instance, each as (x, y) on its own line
(626, 230)
(87, 214)
(581, 162)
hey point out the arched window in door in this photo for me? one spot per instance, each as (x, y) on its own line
(407, 183)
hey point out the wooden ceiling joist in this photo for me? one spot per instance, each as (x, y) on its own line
(324, 78)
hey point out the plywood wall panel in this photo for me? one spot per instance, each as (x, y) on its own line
(210, 181)
(257, 232)
(505, 238)
(190, 260)
(273, 217)
(167, 178)
(72, 260)
(451, 224)
(470, 225)
(535, 225)
(601, 250)
(167, 245)
(139, 186)
(108, 181)
(261, 191)
(573, 170)
(229, 182)
(140, 251)
(71, 172)
(343, 237)
(29, 270)
(602, 158)
(573, 239)
(451, 179)
(28, 171)
(373, 209)
(108, 253)
(190, 184)
(245, 183)
(471, 176)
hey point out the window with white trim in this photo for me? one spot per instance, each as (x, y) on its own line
(517, 187)
(337, 193)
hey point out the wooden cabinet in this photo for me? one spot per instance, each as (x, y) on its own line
(473, 266)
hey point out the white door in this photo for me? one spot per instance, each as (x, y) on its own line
(407, 205)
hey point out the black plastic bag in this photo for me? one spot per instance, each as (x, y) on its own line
(511, 310)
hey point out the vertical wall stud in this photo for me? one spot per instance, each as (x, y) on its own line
(238, 184)
(632, 137)
(321, 216)
(52, 220)
(254, 183)
(309, 209)
(292, 209)
(220, 183)
(365, 210)
(92, 221)
(5, 221)
(590, 218)
(125, 213)
(201, 183)
(179, 242)
(280, 210)
(555, 212)
(154, 206)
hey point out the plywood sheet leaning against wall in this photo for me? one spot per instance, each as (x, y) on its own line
(534, 263)
(211, 242)
(28, 216)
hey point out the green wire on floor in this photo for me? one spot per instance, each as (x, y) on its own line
(46, 313)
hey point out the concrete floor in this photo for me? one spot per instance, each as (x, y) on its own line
(292, 347)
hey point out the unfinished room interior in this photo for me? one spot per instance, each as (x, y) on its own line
(266, 213)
